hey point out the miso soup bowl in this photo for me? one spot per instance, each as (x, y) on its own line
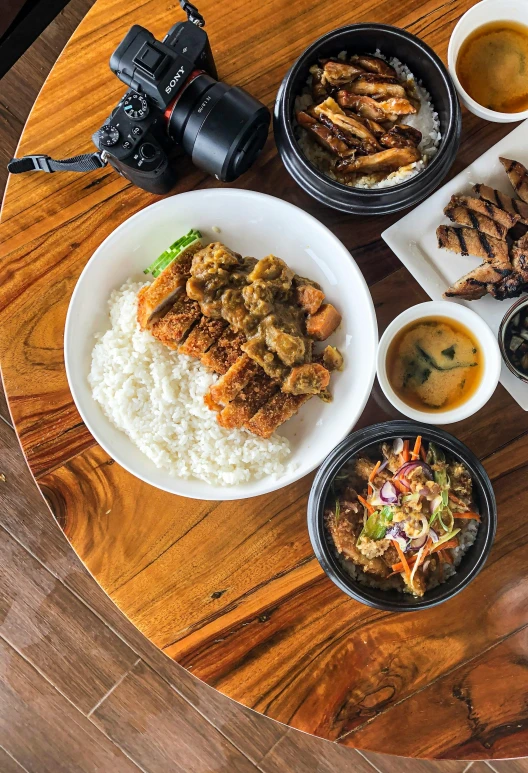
(425, 65)
(485, 12)
(485, 340)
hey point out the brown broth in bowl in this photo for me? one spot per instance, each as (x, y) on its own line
(434, 364)
(492, 66)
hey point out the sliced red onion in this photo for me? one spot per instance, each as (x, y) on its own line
(408, 467)
(433, 535)
(424, 492)
(426, 564)
(382, 466)
(396, 532)
(388, 493)
(397, 445)
(418, 542)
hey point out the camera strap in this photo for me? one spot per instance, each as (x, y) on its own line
(40, 163)
(193, 14)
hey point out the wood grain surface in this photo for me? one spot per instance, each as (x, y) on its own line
(251, 612)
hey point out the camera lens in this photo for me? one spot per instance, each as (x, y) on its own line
(222, 128)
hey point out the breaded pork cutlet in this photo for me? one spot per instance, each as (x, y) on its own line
(518, 176)
(156, 298)
(173, 326)
(500, 200)
(467, 241)
(234, 380)
(486, 208)
(224, 352)
(248, 401)
(472, 219)
(202, 336)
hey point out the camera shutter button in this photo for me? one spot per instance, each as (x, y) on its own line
(148, 151)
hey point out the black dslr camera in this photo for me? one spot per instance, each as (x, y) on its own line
(173, 99)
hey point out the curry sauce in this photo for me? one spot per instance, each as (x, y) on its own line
(492, 66)
(434, 364)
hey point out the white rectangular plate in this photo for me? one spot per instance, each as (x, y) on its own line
(413, 239)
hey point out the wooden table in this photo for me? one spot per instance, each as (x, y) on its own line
(232, 590)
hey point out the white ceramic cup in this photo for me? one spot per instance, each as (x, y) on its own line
(483, 13)
(485, 340)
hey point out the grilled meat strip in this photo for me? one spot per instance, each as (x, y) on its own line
(337, 73)
(396, 106)
(519, 257)
(366, 107)
(384, 161)
(518, 175)
(486, 208)
(472, 219)
(330, 110)
(500, 200)
(373, 64)
(324, 136)
(477, 283)
(342, 135)
(510, 287)
(467, 241)
(401, 136)
(382, 86)
(319, 91)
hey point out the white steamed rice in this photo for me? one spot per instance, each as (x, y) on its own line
(426, 121)
(155, 396)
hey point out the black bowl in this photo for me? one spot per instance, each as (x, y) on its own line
(472, 562)
(424, 64)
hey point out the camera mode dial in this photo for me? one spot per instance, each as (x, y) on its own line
(108, 135)
(135, 106)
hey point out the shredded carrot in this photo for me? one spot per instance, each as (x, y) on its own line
(416, 450)
(452, 543)
(372, 476)
(446, 555)
(405, 452)
(402, 558)
(456, 500)
(423, 454)
(397, 568)
(399, 485)
(469, 516)
(366, 504)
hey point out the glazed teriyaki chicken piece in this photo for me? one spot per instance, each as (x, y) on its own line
(356, 111)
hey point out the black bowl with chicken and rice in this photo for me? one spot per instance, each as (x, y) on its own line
(401, 516)
(367, 120)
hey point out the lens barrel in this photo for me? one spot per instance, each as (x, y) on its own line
(222, 128)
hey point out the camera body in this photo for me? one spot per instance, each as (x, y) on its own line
(175, 99)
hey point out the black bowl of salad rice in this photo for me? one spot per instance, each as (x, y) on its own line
(464, 522)
(439, 120)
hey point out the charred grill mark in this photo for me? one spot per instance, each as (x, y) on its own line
(461, 240)
(485, 244)
(474, 219)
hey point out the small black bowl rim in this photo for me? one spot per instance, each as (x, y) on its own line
(438, 166)
(350, 446)
(502, 334)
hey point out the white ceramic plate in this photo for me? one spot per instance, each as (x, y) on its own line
(252, 224)
(413, 239)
